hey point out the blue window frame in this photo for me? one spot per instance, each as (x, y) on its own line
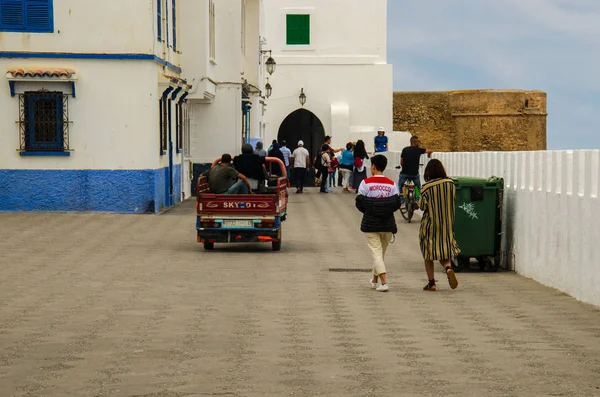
(44, 122)
(159, 20)
(174, 13)
(32, 16)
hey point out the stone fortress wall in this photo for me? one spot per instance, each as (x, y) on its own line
(474, 120)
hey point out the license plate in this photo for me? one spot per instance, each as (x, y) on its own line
(237, 223)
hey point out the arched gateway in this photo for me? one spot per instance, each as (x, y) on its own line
(302, 125)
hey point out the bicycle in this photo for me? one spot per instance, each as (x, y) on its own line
(410, 192)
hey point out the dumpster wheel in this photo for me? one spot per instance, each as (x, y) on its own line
(488, 264)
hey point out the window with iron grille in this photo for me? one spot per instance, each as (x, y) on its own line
(44, 121)
(32, 16)
(163, 125)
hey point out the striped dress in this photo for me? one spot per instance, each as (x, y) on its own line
(437, 225)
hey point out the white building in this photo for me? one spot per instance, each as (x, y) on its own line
(94, 109)
(104, 112)
(225, 68)
(335, 52)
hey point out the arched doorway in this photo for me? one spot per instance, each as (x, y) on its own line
(302, 125)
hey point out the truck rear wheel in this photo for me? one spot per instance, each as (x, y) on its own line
(277, 245)
(209, 246)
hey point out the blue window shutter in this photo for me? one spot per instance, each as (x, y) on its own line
(174, 24)
(12, 14)
(159, 18)
(38, 15)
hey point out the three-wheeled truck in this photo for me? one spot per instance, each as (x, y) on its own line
(243, 218)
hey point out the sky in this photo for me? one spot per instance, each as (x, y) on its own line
(548, 45)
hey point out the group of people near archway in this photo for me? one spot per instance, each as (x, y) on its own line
(350, 163)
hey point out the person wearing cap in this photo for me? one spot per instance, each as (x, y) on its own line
(328, 143)
(381, 141)
(300, 160)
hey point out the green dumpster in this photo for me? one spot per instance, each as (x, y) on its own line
(477, 226)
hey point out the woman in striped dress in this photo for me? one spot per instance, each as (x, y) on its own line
(437, 225)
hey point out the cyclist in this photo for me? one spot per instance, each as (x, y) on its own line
(409, 160)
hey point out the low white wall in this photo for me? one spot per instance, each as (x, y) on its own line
(551, 215)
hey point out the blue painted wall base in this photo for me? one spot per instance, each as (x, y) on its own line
(121, 191)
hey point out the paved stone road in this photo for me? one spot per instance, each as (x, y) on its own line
(111, 305)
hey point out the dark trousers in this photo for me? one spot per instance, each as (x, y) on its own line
(300, 176)
(324, 176)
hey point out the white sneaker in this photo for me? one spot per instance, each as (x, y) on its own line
(373, 285)
(383, 288)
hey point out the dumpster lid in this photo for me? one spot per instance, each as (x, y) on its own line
(469, 181)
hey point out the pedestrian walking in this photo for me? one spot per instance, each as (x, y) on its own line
(301, 161)
(260, 150)
(287, 153)
(346, 166)
(273, 145)
(360, 172)
(324, 163)
(437, 224)
(276, 152)
(333, 167)
(378, 199)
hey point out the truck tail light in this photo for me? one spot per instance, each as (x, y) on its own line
(209, 224)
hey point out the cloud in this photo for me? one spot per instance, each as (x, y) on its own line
(551, 45)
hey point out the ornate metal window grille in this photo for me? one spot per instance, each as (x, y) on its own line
(44, 121)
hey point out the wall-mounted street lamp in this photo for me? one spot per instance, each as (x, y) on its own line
(268, 89)
(302, 97)
(270, 64)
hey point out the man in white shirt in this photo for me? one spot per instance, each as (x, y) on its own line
(301, 161)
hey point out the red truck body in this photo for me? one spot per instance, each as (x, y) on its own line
(242, 218)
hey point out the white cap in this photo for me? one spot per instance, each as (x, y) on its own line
(381, 129)
(300, 143)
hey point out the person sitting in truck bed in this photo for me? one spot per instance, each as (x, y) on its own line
(224, 179)
(251, 165)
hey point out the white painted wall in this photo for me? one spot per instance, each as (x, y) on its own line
(342, 31)
(365, 90)
(551, 213)
(114, 117)
(344, 72)
(92, 26)
(216, 127)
